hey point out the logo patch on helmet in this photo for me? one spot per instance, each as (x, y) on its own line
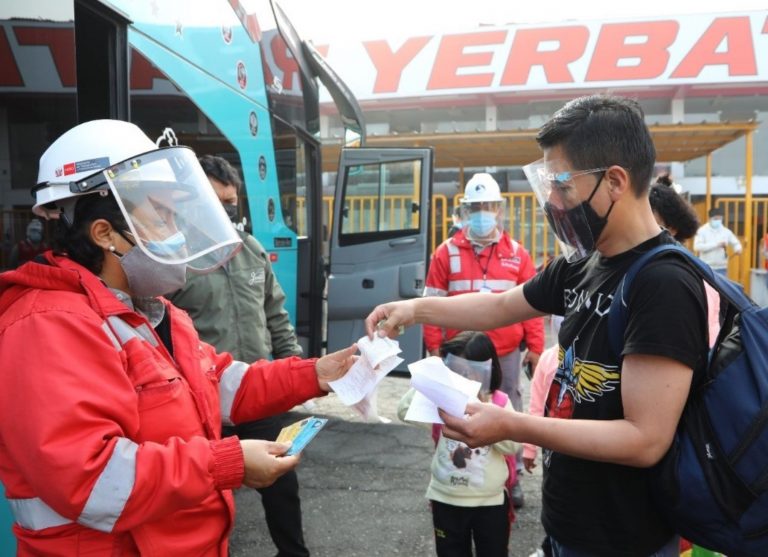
(84, 166)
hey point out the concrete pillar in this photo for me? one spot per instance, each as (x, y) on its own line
(491, 113)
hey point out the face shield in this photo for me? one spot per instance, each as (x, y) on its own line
(475, 371)
(571, 218)
(171, 209)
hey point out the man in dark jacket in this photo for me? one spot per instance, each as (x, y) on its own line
(239, 309)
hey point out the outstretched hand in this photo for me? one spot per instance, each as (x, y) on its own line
(333, 366)
(484, 424)
(390, 319)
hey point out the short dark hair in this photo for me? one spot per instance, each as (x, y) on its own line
(477, 347)
(75, 241)
(220, 169)
(716, 212)
(603, 130)
(674, 211)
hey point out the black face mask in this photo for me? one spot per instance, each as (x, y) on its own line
(231, 211)
(580, 226)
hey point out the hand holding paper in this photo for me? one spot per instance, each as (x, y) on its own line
(377, 358)
(438, 387)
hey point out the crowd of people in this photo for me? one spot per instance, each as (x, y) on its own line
(147, 356)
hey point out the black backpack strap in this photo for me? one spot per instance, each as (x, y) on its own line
(618, 314)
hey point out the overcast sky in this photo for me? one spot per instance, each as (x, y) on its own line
(340, 20)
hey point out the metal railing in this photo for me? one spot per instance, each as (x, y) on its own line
(524, 220)
(752, 255)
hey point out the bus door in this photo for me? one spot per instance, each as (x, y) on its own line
(379, 240)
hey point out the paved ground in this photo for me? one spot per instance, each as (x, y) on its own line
(362, 489)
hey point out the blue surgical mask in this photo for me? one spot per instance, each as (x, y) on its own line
(715, 223)
(482, 223)
(170, 246)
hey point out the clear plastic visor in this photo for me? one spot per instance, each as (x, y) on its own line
(476, 371)
(467, 208)
(171, 209)
(556, 192)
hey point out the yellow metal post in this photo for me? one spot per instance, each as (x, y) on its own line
(746, 258)
(708, 203)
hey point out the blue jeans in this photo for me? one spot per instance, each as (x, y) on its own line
(670, 549)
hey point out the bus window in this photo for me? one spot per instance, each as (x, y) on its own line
(291, 176)
(38, 102)
(381, 197)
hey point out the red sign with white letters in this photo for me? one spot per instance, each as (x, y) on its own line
(716, 51)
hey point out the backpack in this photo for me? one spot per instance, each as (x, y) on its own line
(712, 485)
(499, 398)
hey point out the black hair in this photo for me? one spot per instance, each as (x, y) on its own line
(220, 169)
(75, 241)
(716, 212)
(674, 211)
(598, 131)
(477, 347)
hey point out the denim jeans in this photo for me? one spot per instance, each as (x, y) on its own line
(670, 549)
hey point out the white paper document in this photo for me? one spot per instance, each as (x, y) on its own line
(438, 387)
(364, 375)
(379, 350)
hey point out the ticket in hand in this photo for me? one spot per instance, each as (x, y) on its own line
(299, 434)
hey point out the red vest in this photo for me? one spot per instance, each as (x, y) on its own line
(456, 269)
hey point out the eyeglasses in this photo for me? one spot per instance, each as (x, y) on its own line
(565, 178)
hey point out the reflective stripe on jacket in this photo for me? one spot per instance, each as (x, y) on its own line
(455, 269)
(110, 445)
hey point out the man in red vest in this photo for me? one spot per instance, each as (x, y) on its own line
(31, 246)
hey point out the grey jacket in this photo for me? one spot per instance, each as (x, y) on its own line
(238, 308)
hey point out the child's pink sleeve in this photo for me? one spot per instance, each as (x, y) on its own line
(542, 379)
(713, 313)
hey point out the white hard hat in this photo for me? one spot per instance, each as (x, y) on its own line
(162, 193)
(81, 152)
(481, 187)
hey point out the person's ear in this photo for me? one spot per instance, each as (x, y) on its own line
(619, 182)
(102, 234)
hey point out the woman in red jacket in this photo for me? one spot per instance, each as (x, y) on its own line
(111, 406)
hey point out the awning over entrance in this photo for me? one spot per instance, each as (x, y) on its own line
(674, 143)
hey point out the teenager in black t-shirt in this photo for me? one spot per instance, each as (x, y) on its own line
(609, 418)
(602, 507)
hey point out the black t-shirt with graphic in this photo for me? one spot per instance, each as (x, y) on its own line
(605, 509)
